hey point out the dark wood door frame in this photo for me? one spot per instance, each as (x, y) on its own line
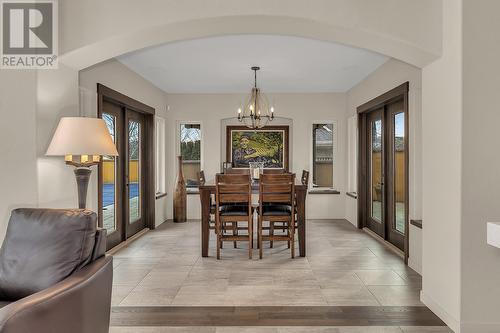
(398, 93)
(126, 103)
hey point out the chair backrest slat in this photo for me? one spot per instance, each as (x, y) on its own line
(277, 188)
(238, 171)
(233, 188)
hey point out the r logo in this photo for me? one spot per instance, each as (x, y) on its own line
(27, 28)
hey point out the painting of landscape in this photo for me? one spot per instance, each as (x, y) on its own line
(266, 145)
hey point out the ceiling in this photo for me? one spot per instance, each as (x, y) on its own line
(222, 65)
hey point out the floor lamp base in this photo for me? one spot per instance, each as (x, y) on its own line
(82, 181)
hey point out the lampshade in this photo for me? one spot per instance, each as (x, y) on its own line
(81, 136)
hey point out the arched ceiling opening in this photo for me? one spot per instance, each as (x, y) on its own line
(222, 65)
(129, 41)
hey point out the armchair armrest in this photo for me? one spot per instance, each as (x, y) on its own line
(78, 304)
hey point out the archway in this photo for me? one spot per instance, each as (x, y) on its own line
(252, 24)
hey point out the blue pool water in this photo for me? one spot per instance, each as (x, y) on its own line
(108, 191)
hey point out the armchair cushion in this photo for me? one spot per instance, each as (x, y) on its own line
(42, 247)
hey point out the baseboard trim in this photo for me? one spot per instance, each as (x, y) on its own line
(127, 242)
(451, 321)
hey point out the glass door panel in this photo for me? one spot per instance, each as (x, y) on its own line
(134, 167)
(376, 170)
(134, 174)
(399, 172)
(375, 148)
(109, 186)
(397, 210)
(111, 178)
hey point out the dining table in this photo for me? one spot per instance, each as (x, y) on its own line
(208, 189)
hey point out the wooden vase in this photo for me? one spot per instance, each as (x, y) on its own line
(180, 195)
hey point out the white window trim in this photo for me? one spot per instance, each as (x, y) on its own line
(178, 124)
(352, 153)
(334, 155)
(160, 155)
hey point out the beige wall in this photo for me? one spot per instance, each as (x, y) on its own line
(57, 96)
(94, 30)
(18, 177)
(299, 111)
(480, 263)
(118, 77)
(388, 76)
(442, 184)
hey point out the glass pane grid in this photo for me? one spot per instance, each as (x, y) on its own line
(190, 142)
(323, 155)
(376, 170)
(134, 168)
(399, 172)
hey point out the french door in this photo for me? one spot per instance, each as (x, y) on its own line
(376, 191)
(383, 205)
(134, 174)
(126, 196)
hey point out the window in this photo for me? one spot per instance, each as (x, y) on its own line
(160, 156)
(190, 149)
(323, 146)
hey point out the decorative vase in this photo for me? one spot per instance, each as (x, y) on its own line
(180, 196)
(256, 168)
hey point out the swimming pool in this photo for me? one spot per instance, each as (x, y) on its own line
(108, 193)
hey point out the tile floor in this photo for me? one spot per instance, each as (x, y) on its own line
(344, 266)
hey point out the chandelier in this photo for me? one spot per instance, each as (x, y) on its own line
(256, 112)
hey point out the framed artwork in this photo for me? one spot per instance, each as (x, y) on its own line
(268, 145)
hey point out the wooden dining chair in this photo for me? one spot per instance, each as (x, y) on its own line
(238, 171)
(227, 225)
(202, 181)
(233, 196)
(305, 181)
(273, 171)
(277, 205)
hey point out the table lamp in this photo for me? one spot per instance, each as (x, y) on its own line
(82, 142)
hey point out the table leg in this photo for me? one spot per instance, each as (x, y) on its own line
(301, 221)
(205, 221)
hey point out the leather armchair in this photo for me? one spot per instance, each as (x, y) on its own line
(79, 303)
